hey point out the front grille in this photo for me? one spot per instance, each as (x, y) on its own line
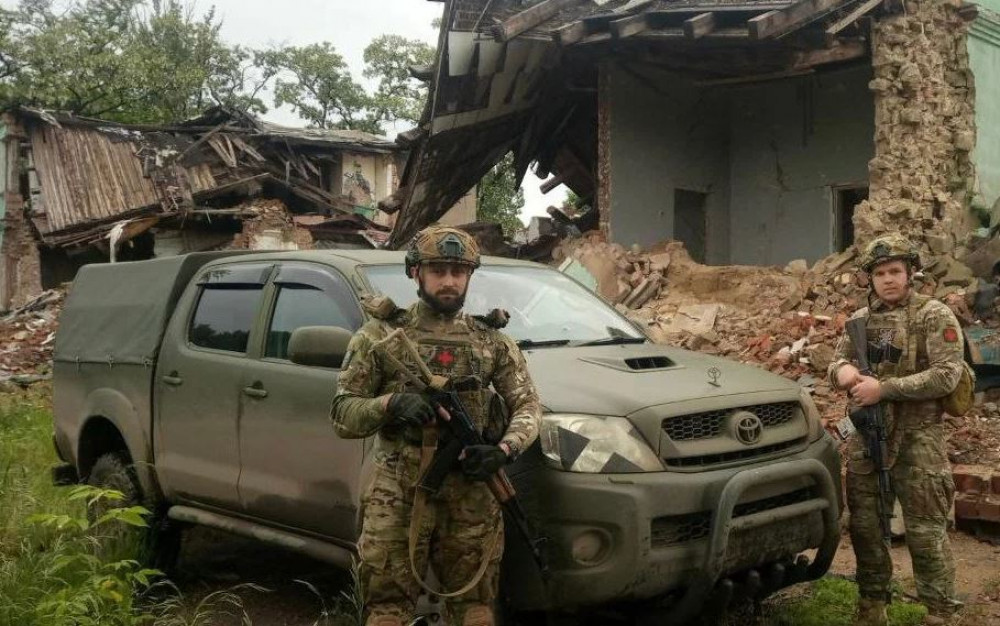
(735, 455)
(671, 530)
(709, 423)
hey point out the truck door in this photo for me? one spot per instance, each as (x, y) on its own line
(198, 384)
(295, 470)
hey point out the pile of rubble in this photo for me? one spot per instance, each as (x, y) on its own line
(27, 337)
(787, 320)
(269, 225)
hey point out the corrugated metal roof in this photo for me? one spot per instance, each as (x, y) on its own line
(338, 137)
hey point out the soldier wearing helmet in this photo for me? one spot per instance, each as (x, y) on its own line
(459, 531)
(915, 346)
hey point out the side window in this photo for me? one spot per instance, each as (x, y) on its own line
(300, 305)
(224, 316)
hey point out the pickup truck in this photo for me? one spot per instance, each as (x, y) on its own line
(662, 479)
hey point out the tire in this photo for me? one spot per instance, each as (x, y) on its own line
(156, 546)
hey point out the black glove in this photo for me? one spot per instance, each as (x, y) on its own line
(411, 409)
(481, 462)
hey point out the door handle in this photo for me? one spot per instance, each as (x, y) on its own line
(172, 379)
(255, 391)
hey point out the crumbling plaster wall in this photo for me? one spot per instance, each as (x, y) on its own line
(922, 176)
(20, 273)
(984, 58)
(665, 134)
(767, 155)
(793, 141)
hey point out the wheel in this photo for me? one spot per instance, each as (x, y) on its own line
(157, 545)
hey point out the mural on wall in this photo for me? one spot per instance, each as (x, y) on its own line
(359, 191)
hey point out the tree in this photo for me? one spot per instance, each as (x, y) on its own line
(399, 97)
(498, 200)
(127, 60)
(316, 82)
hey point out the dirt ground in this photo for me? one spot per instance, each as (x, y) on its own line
(977, 566)
(293, 590)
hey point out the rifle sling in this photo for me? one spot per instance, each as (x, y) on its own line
(427, 449)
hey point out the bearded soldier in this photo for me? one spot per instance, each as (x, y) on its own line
(915, 347)
(460, 528)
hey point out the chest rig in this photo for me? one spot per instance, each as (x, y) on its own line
(457, 348)
(895, 339)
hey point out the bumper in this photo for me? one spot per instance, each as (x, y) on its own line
(626, 537)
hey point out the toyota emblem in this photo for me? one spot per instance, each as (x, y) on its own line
(748, 428)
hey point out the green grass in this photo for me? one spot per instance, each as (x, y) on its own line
(832, 602)
(55, 565)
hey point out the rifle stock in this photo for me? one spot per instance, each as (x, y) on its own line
(871, 422)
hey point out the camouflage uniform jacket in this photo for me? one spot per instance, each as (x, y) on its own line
(452, 346)
(916, 350)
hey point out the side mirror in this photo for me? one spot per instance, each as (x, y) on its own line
(322, 346)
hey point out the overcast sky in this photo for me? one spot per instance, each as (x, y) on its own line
(349, 25)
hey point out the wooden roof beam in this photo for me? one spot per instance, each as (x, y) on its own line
(628, 26)
(529, 18)
(775, 24)
(699, 25)
(852, 17)
(848, 51)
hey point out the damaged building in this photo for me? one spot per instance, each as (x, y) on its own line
(76, 190)
(754, 132)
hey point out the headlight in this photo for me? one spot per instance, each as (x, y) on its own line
(812, 416)
(595, 445)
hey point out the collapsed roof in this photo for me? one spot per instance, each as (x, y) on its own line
(87, 174)
(514, 77)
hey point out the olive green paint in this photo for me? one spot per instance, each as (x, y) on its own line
(984, 59)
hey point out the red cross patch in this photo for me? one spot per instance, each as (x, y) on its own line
(950, 335)
(444, 357)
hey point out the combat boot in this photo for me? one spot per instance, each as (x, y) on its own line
(384, 620)
(871, 613)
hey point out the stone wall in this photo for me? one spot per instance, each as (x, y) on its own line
(921, 175)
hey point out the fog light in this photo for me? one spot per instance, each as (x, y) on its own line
(589, 547)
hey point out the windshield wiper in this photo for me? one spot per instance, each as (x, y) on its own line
(612, 341)
(531, 343)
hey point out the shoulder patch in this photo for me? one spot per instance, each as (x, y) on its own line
(950, 335)
(380, 307)
(496, 319)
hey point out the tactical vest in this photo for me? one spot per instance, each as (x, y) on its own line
(461, 349)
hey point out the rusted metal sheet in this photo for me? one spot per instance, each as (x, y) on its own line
(86, 175)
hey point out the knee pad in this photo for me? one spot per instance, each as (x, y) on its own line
(478, 615)
(384, 620)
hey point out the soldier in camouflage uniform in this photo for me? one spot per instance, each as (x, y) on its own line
(461, 528)
(915, 346)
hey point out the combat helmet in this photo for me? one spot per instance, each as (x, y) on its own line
(441, 244)
(890, 248)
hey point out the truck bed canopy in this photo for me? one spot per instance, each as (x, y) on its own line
(117, 313)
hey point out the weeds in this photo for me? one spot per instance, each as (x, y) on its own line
(56, 567)
(832, 602)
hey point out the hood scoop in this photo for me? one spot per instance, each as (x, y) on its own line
(634, 364)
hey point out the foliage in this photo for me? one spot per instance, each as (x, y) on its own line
(398, 97)
(498, 199)
(832, 602)
(158, 61)
(316, 82)
(126, 60)
(55, 569)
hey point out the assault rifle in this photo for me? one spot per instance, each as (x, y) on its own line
(460, 432)
(870, 420)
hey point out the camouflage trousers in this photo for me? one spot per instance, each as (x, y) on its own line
(458, 526)
(925, 496)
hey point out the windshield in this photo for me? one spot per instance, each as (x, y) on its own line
(544, 305)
